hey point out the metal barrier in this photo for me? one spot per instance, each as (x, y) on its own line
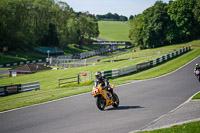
(17, 88)
(142, 66)
(30, 86)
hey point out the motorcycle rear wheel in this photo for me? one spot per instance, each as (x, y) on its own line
(116, 100)
(101, 102)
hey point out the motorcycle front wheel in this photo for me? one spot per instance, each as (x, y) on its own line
(116, 100)
(101, 102)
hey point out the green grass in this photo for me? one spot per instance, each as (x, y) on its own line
(193, 127)
(114, 31)
(197, 96)
(49, 79)
(74, 49)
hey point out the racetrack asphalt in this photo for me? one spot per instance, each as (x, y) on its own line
(141, 103)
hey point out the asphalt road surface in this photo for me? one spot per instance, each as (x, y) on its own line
(140, 103)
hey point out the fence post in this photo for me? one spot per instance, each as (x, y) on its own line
(58, 82)
(78, 78)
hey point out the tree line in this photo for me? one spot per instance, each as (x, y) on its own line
(28, 23)
(111, 17)
(164, 24)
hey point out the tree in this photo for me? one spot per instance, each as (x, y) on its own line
(136, 30)
(164, 24)
(111, 17)
(148, 29)
(196, 10)
(27, 23)
(181, 12)
(51, 38)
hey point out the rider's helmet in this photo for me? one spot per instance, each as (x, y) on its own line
(98, 75)
(197, 65)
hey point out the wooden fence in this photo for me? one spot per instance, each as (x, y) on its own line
(67, 80)
(82, 77)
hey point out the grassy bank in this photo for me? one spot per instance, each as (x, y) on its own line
(114, 30)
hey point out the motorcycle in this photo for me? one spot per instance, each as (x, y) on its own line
(197, 73)
(104, 98)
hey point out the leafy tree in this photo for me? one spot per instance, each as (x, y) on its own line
(51, 38)
(112, 17)
(136, 30)
(148, 30)
(180, 11)
(27, 23)
(196, 10)
(164, 24)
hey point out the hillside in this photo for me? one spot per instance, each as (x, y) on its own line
(114, 30)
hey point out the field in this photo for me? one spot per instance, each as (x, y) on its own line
(114, 31)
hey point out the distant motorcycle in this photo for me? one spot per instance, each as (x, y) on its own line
(104, 98)
(197, 73)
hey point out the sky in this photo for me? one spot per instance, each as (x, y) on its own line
(121, 7)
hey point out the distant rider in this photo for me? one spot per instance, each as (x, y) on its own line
(196, 68)
(99, 79)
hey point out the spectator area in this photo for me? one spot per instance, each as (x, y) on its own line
(52, 51)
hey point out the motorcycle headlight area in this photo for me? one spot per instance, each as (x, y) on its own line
(95, 90)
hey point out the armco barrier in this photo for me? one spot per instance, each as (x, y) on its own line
(19, 63)
(30, 86)
(127, 70)
(115, 73)
(142, 66)
(12, 89)
(108, 74)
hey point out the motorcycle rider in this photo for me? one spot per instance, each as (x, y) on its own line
(196, 68)
(99, 79)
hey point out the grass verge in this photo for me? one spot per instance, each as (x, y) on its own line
(197, 96)
(193, 127)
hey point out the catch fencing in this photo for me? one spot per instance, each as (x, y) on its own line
(142, 66)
